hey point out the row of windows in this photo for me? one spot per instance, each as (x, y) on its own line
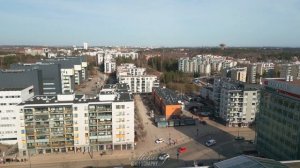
(4, 104)
(7, 132)
(7, 125)
(9, 97)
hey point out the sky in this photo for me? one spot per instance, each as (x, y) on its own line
(152, 23)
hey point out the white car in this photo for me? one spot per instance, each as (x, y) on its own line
(163, 156)
(210, 142)
(159, 140)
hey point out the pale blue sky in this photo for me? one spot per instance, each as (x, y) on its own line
(151, 22)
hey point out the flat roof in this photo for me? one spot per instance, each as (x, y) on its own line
(245, 161)
(11, 89)
(168, 95)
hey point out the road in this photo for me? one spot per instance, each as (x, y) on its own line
(92, 87)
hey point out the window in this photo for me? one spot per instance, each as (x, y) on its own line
(76, 128)
(75, 115)
(75, 109)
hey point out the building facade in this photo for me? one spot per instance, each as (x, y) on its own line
(167, 102)
(136, 78)
(237, 102)
(9, 112)
(278, 120)
(65, 123)
(15, 78)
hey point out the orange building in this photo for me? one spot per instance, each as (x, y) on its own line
(167, 101)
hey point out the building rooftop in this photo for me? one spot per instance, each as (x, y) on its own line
(11, 89)
(245, 161)
(168, 95)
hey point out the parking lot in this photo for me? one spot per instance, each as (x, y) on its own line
(193, 138)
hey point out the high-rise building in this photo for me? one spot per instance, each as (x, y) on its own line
(290, 70)
(239, 74)
(236, 102)
(85, 46)
(9, 112)
(251, 73)
(61, 123)
(278, 135)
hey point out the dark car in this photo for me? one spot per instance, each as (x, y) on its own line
(239, 138)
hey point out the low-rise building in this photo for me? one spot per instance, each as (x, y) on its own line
(167, 102)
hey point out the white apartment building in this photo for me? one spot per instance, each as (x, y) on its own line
(65, 123)
(238, 102)
(67, 81)
(239, 74)
(136, 78)
(290, 70)
(204, 64)
(109, 66)
(9, 112)
(267, 67)
(132, 55)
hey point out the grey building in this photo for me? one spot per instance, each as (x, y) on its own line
(22, 79)
(51, 78)
(278, 133)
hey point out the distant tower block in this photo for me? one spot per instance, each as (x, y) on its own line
(85, 46)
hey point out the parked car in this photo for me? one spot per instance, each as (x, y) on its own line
(163, 156)
(159, 140)
(181, 150)
(239, 138)
(210, 142)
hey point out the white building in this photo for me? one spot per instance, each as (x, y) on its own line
(85, 46)
(204, 64)
(109, 66)
(9, 112)
(238, 102)
(73, 123)
(290, 70)
(239, 74)
(136, 78)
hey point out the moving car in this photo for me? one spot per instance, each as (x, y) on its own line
(163, 156)
(211, 142)
(239, 138)
(159, 140)
(181, 150)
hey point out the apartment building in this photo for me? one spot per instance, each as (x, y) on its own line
(9, 112)
(278, 119)
(290, 70)
(132, 55)
(204, 64)
(167, 101)
(73, 71)
(251, 73)
(109, 66)
(136, 78)
(239, 74)
(265, 67)
(65, 123)
(236, 102)
(14, 78)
